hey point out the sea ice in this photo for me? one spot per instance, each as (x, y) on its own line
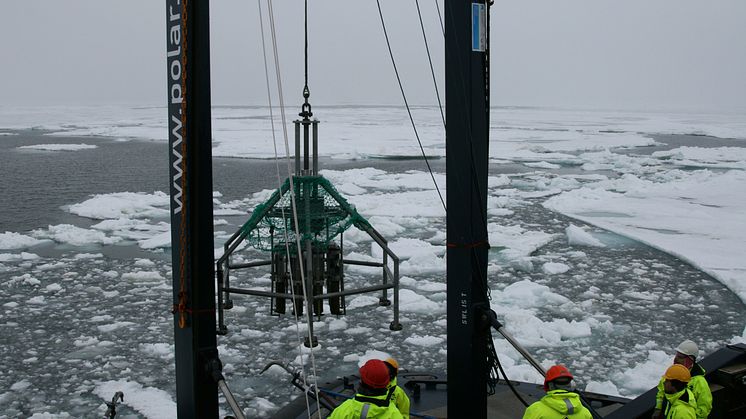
(58, 147)
(553, 268)
(579, 237)
(12, 241)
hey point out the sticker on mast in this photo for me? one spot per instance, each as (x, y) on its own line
(478, 27)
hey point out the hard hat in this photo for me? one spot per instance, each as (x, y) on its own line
(375, 374)
(557, 371)
(678, 372)
(392, 362)
(688, 347)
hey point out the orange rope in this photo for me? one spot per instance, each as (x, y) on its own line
(482, 243)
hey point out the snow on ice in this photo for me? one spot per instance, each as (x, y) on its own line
(688, 202)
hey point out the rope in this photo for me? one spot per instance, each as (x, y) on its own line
(306, 107)
(181, 307)
(406, 103)
(440, 18)
(493, 377)
(292, 196)
(430, 60)
(305, 55)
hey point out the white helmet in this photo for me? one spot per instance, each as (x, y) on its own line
(688, 347)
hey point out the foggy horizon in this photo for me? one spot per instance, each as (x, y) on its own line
(671, 55)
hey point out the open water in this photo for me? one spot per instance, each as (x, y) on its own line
(69, 324)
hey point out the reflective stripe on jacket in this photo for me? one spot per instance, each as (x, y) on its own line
(700, 389)
(355, 409)
(680, 409)
(558, 404)
(399, 398)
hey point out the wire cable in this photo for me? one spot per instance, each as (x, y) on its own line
(440, 18)
(406, 104)
(292, 193)
(430, 60)
(277, 166)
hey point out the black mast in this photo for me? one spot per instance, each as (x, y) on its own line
(190, 158)
(467, 100)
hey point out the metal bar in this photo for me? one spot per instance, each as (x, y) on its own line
(518, 347)
(227, 282)
(305, 147)
(376, 236)
(309, 280)
(396, 293)
(231, 239)
(221, 314)
(231, 400)
(250, 264)
(297, 147)
(309, 248)
(388, 272)
(362, 263)
(354, 291)
(384, 274)
(259, 293)
(315, 147)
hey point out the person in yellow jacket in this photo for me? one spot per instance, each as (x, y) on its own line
(561, 401)
(680, 402)
(686, 355)
(371, 400)
(396, 394)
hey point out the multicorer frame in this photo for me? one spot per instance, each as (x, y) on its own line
(322, 215)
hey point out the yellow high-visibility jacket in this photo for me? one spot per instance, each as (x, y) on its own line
(700, 389)
(356, 409)
(399, 398)
(558, 404)
(680, 409)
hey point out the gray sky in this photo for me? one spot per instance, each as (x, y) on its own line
(632, 54)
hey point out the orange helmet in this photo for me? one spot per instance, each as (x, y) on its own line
(678, 372)
(375, 374)
(557, 371)
(393, 367)
(392, 362)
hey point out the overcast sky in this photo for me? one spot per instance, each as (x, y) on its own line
(631, 54)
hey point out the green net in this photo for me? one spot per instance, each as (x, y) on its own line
(323, 214)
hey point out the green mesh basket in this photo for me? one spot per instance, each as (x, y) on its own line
(323, 214)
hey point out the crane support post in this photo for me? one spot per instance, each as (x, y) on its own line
(467, 152)
(190, 180)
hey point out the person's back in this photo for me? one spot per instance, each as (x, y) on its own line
(372, 399)
(558, 404)
(681, 405)
(561, 401)
(397, 395)
(366, 407)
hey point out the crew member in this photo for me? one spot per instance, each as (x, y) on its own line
(371, 400)
(680, 402)
(686, 355)
(396, 394)
(561, 400)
